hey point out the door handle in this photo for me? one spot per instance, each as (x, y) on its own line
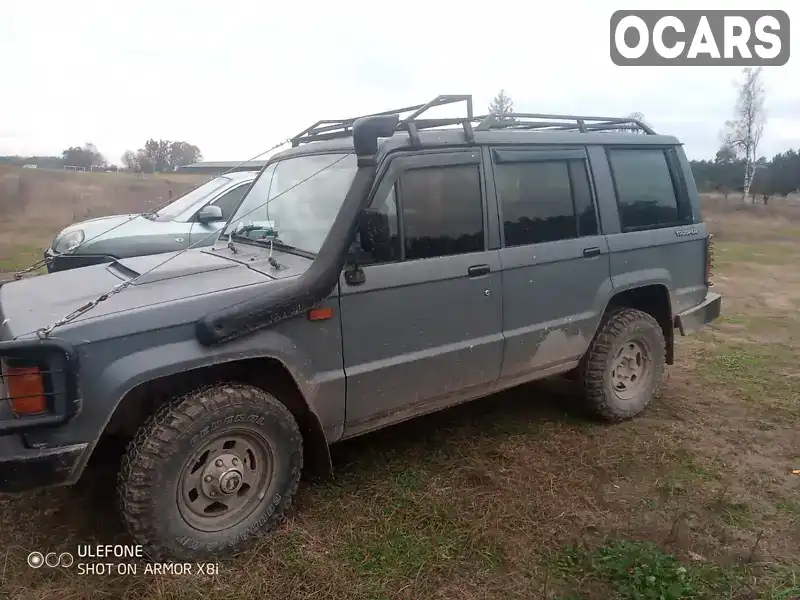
(478, 270)
(595, 251)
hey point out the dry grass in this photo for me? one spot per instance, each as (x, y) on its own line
(37, 204)
(520, 496)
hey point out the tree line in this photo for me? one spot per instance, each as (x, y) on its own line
(161, 155)
(155, 156)
(778, 176)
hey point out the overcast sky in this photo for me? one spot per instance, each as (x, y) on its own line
(236, 77)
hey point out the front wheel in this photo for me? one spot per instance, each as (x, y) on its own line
(209, 472)
(622, 370)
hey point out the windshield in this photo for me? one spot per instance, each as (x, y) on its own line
(171, 211)
(301, 216)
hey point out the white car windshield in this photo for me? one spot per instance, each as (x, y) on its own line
(173, 210)
(295, 200)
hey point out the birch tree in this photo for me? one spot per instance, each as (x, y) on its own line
(639, 117)
(743, 133)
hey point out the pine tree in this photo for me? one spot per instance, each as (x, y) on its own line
(502, 104)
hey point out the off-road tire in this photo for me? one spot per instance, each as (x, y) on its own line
(594, 372)
(155, 460)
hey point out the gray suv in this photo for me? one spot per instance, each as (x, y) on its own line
(379, 269)
(190, 220)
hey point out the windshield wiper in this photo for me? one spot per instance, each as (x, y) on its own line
(237, 231)
(267, 241)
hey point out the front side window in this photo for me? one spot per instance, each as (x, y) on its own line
(295, 199)
(442, 211)
(382, 243)
(230, 199)
(190, 199)
(428, 212)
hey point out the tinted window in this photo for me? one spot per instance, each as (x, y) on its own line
(645, 190)
(230, 200)
(544, 201)
(442, 211)
(582, 195)
(385, 246)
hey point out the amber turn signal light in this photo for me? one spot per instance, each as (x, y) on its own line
(25, 390)
(320, 314)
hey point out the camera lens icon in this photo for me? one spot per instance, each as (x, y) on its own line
(35, 560)
(65, 559)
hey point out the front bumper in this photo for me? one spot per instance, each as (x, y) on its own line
(34, 468)
(697, 317)
(66, 262)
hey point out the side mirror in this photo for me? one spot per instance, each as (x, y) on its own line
(209, 213)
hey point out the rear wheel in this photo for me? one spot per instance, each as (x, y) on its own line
(623, 368)
(209, 472)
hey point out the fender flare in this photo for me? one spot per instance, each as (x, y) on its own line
(125, 374)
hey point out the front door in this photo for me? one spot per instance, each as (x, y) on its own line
(425, 327)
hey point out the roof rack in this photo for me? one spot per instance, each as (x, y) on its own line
(330, 129)
(533, 121)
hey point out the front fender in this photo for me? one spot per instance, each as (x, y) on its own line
(111, 369)
(132, 370)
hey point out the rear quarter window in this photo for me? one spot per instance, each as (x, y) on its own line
(650, 191)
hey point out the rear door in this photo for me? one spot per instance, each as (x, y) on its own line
(425, 327)
(555, 261)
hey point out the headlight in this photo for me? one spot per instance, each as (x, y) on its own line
(68, 240)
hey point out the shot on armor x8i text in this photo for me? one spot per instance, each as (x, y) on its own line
(116, 560)
(382, 267)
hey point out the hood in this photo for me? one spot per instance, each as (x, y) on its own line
(36, 302)
(105, 228)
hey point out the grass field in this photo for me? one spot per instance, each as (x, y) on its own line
(521, 496)
(35, 204)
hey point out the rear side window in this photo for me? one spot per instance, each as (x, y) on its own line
(442, 211)
(545, 201)
(647, 192)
